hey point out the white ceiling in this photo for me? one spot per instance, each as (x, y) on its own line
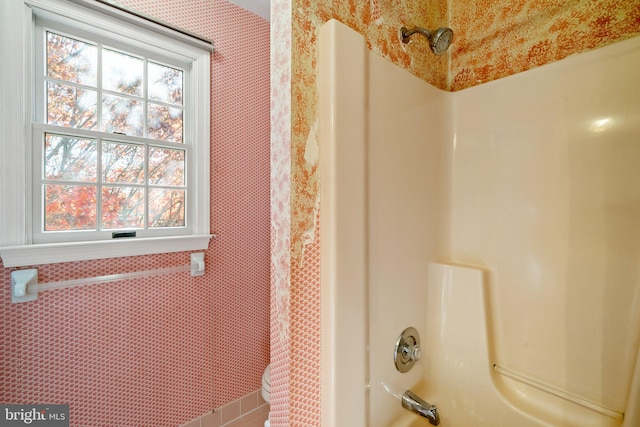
(259, 7)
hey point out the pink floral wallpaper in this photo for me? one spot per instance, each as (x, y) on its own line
(280, 209)
(497, 38)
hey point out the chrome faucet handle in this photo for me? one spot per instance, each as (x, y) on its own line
(417, 352)
(412, 352)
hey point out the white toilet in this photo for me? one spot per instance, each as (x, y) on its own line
(266, 389)
(266, 384)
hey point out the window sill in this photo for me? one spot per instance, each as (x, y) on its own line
(52, 253)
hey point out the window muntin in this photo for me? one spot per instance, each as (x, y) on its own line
(111, 140)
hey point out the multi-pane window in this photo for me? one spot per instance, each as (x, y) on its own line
(109, 138)
(105, 131)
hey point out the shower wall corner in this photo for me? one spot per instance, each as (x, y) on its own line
(342, 110)
(385, 162)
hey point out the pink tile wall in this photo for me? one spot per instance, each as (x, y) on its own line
(164, 350)
(304, 347)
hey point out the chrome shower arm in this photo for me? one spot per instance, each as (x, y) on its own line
(408, 33)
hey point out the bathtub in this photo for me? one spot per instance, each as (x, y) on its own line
(501, 221)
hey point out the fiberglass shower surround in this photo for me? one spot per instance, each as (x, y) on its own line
(508, 245)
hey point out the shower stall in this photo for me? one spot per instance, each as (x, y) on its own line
(502, 222)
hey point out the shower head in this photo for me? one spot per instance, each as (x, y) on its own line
(439, 40)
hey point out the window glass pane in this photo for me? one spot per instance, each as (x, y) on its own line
(120, 114)
(69, 158)
(71, 60)
(70, 106)
(91, 179)
(69, 207)
(122, 207)
(166, 208)
(166, 166)
(165, 84)
(165, 123)
(122, 163)
(122, 73)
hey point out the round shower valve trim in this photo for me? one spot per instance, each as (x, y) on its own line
(408, 350)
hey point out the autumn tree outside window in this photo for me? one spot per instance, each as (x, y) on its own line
(119, 126)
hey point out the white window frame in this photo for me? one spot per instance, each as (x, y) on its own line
(17, 112)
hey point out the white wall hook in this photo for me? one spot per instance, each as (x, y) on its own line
(24, 285)
(197, 264)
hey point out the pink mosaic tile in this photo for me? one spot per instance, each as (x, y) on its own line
(155, 351)
(305, 327)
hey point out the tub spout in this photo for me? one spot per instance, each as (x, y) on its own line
(415, 404)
